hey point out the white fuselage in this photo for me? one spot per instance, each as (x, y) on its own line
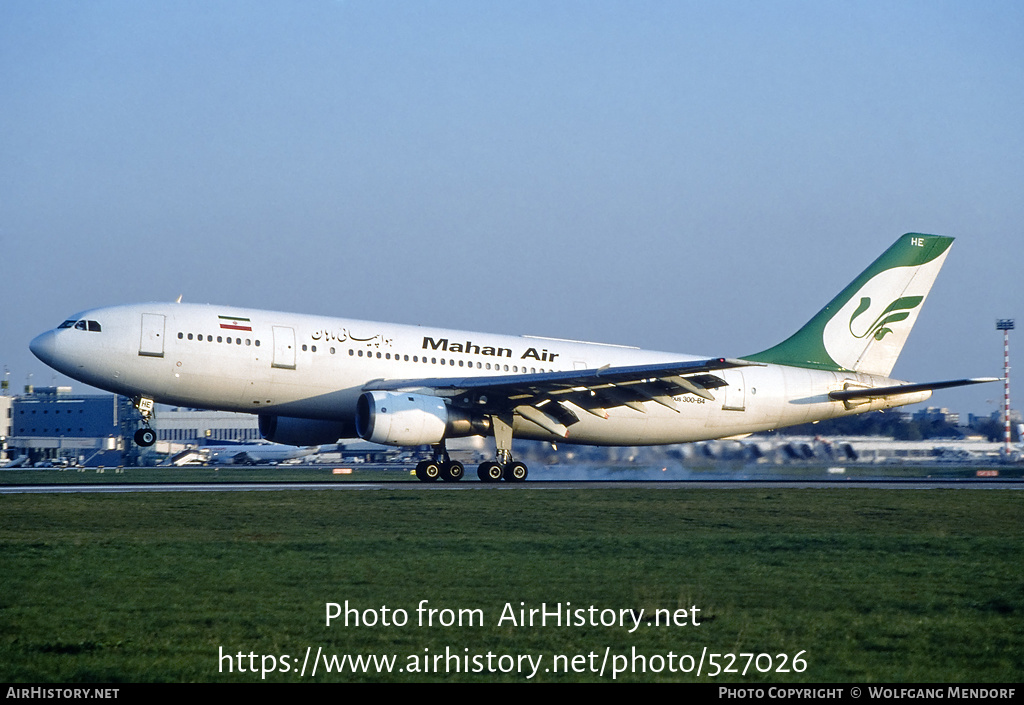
(313, 367)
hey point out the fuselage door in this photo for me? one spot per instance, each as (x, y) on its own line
(734, 393)
(284, 348)
(152, 343)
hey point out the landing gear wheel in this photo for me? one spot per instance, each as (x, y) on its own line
(515, 472)
(428, 471)
(489, 471)
(452, 471)
(145, 437)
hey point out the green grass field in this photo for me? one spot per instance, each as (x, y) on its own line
(863, 584)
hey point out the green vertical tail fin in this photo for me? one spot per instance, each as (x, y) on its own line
(864, 328)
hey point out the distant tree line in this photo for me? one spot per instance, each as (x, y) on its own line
(897, 426)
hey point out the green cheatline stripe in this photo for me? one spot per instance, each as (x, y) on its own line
(233, 318)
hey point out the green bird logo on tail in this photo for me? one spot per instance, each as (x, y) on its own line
(904, 304)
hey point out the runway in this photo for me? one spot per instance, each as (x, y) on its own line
(851, 484)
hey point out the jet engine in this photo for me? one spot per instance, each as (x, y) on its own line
(399, 419)
(303, 432)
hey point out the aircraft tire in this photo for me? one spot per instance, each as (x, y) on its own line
(489, 471)
(145, 437)
(452, 471)
(515, 472)
(428, 471)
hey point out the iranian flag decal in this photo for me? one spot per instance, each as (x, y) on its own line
(234, 323)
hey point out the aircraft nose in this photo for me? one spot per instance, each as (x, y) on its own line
(44, 346)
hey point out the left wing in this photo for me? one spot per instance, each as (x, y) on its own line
(542, 397)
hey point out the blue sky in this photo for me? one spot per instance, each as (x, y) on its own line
(694, 177)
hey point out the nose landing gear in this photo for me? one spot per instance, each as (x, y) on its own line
(145, 436)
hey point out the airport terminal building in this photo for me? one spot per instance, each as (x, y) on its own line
(52, 425)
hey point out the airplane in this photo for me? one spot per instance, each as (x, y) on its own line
(313, 380)
(254, 453)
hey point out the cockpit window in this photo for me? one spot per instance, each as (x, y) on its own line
(92, 326)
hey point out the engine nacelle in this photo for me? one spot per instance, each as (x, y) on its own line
(303, 432)
(398, 419)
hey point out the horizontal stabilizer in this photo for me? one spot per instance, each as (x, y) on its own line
(877, 392)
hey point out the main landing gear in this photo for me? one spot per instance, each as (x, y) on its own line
(441, 467)
(453, 471)
(502, 468)
(509, 470)
(145, 436)
(447, 470)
